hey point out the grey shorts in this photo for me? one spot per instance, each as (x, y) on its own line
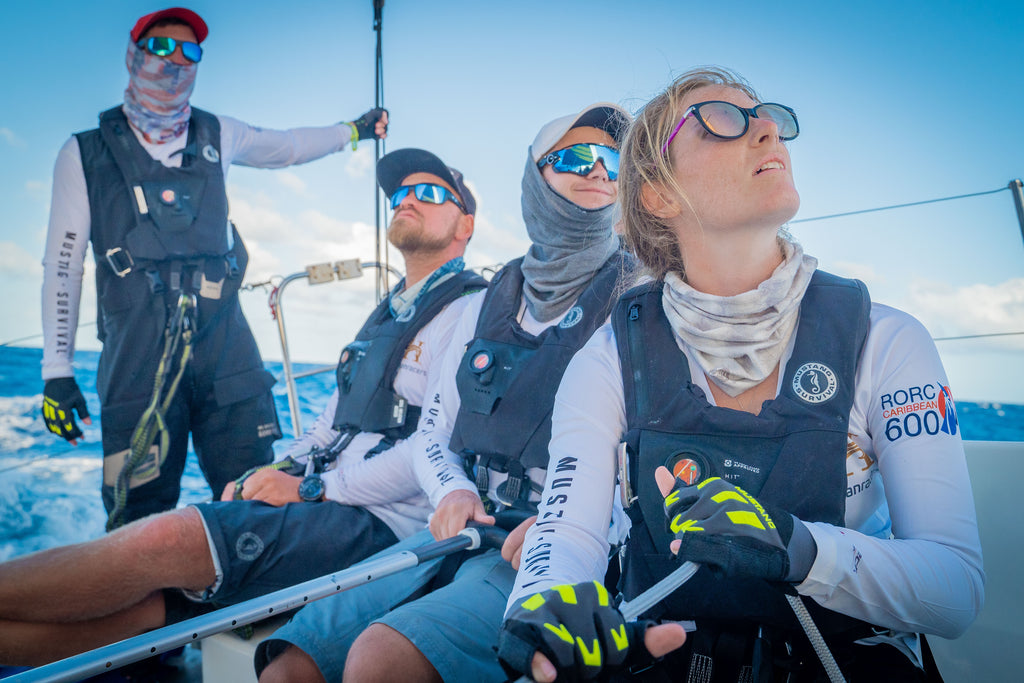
(262, 548)
(326, 629)
(456, 627)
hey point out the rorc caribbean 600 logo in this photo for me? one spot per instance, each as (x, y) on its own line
(926, 409)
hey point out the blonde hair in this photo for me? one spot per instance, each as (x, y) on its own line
(641, 164)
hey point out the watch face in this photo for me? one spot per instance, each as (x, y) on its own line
(312, 488)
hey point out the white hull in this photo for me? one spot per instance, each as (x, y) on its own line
(993, 648)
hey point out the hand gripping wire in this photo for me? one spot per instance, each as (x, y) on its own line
(179, 332)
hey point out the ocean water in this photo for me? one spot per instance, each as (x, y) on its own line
(49, 490)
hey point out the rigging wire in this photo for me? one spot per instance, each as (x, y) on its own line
(12, 342)
(978, 336)
(899, 206)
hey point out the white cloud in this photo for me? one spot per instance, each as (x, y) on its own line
(264, 263)
(861, 271)
(492, 244)
(949, 311)
(8, 136)
(256, 217)
(318, 226)
(293, 182)
(17, 262)
(359, 163)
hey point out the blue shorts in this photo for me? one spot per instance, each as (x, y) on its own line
(456, 627)
(262, 548)
(326, 629)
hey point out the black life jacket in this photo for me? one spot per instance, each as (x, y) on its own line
(366, 372)
(507, 378)
(792, 455)
(157, 229)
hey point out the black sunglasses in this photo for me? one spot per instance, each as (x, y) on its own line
(730, 121)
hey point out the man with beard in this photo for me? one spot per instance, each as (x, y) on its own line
(326, 504)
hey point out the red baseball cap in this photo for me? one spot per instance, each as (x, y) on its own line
(188, 16)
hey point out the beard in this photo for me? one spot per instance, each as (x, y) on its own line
(407, 233)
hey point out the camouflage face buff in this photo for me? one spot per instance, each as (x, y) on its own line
(156, 99)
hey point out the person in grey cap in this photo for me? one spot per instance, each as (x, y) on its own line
(491, 414)
(331, 499)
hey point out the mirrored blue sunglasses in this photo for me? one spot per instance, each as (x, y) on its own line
(581, 159)
(162, 46)
(426, 192)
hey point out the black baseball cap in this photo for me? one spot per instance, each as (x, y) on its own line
(396, 166)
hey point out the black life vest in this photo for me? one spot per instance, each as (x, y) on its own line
(366, 372)
(508, 378)
(157, 229)
(792, 455)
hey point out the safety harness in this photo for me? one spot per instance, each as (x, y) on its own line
(179, 332)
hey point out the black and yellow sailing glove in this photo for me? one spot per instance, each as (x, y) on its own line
(61, 396)
(365, 127)
(725, 528)
(575, 627)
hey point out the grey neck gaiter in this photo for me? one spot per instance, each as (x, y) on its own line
(738, 340)
(569, 245)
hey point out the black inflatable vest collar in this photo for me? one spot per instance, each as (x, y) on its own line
(210, 249)
(507, 378)
(172, 213)
(670, 420)
(367, 368)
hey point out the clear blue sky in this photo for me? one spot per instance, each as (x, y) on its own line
(898, 102)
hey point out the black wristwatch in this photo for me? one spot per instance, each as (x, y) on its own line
(311, 489)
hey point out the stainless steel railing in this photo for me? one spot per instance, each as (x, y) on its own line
(316, 274)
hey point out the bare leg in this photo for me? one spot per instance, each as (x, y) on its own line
(292, 665)
(382, 654)
(107, 575)
(35, 643)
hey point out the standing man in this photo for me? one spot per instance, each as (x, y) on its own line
(147, 187)
(289, 528)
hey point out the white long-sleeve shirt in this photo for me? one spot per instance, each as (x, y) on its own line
(438, 469)
(908, 558)
(386, 484)
(70, 224)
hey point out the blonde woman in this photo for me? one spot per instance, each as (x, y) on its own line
(812, 435)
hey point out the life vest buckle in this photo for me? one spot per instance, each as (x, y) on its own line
(156, 283)
(231, 262)
(120, 261)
